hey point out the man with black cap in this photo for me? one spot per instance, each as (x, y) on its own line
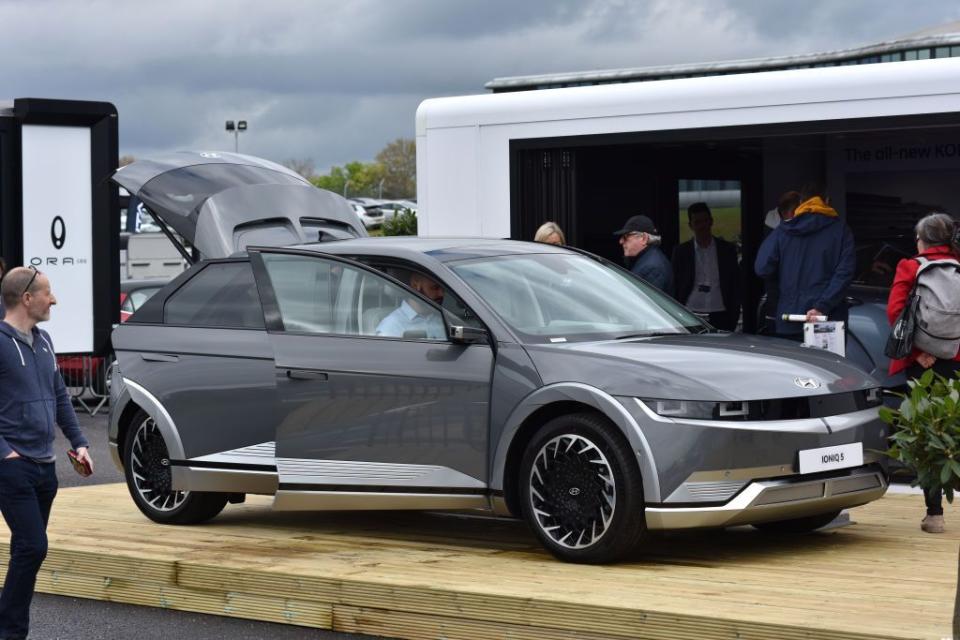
(640, 240)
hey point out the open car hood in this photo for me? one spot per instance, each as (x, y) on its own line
(222, 202)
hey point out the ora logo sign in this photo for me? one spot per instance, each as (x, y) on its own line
(58, 232)
(58, 237)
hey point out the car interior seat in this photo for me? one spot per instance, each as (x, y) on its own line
(377, 301)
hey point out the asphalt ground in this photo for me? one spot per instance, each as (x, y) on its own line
(56, 617)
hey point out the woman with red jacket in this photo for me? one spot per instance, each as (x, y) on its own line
(938, 237)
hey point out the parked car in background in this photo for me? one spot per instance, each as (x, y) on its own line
(133, 293)
(393, 207)
(375, 211)
(370, 219)
(81, 371)
(368, 211)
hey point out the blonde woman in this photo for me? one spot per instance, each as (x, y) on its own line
(550, 233)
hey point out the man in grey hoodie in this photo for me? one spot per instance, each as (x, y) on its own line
(33, 398)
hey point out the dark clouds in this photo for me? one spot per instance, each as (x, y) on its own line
(335, 81)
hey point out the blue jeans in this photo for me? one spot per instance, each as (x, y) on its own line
(27, 489)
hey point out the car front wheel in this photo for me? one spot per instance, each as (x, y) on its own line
(146, 465)
(581, 490)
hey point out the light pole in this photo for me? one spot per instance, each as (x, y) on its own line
(240, 126)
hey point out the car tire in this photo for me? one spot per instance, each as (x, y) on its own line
(581, 490)
(798, 525)
(146, 465)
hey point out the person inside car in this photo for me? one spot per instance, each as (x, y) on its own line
(413, 315)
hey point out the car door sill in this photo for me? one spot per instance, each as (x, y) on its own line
(224, 480)
(306, 500)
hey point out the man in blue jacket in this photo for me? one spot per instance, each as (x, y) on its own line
(33, 399)
(812, 257)
(640, 240)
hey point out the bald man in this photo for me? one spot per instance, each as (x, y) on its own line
(32, 398)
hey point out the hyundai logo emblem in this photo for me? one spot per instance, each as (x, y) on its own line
(574, 491)
(58, 232)
(807, 383)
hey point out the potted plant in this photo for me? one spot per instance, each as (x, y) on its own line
(926, 434)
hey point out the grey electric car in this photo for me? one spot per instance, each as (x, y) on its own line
(543, 383)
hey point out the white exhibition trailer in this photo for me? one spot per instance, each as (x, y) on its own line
(884, 138)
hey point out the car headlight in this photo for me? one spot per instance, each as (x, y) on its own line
(791, 408)
(698, 410)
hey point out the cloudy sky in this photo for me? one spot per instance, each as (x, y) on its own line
(335, 81)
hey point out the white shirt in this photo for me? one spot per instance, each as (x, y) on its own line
(404, 318)
(706, 296)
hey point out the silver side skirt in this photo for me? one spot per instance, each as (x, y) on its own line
(360, 474)
(213, 472)
(362, 501)
(224, 480)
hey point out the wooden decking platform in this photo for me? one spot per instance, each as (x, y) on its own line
(416, 575)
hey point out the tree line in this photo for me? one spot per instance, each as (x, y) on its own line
(392, 175)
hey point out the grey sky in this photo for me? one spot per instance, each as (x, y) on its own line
(335, 81)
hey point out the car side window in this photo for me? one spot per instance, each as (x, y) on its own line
(223, 294)
(317, 295)
(451, 301)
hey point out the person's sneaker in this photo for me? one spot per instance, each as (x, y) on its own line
(932, 524)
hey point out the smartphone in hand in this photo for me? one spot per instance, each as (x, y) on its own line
(80, 466)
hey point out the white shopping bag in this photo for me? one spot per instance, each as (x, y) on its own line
(830, 336)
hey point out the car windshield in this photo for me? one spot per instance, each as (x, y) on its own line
(571, 298)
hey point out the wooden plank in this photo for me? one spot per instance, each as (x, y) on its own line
(231, 604)
(426, 575)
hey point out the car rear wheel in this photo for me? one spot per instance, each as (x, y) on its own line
(147, 468)
(581, 490)
(798, 525)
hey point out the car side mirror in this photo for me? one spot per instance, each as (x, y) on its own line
(467, 335)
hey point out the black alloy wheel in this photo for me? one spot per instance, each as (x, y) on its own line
(146, 464)
(581, 490)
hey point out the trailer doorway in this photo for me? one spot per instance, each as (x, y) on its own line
(882, 175)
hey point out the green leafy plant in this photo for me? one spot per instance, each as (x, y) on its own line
(403, 223)
(926, 434)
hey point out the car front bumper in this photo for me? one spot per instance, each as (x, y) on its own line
(712, 473)
(777, 499)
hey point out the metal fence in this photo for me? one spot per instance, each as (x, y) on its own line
(88, 380)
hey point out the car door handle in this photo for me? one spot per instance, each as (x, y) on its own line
(160, 357)
(306, 374)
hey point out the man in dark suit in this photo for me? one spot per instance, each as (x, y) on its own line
(706, 273)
